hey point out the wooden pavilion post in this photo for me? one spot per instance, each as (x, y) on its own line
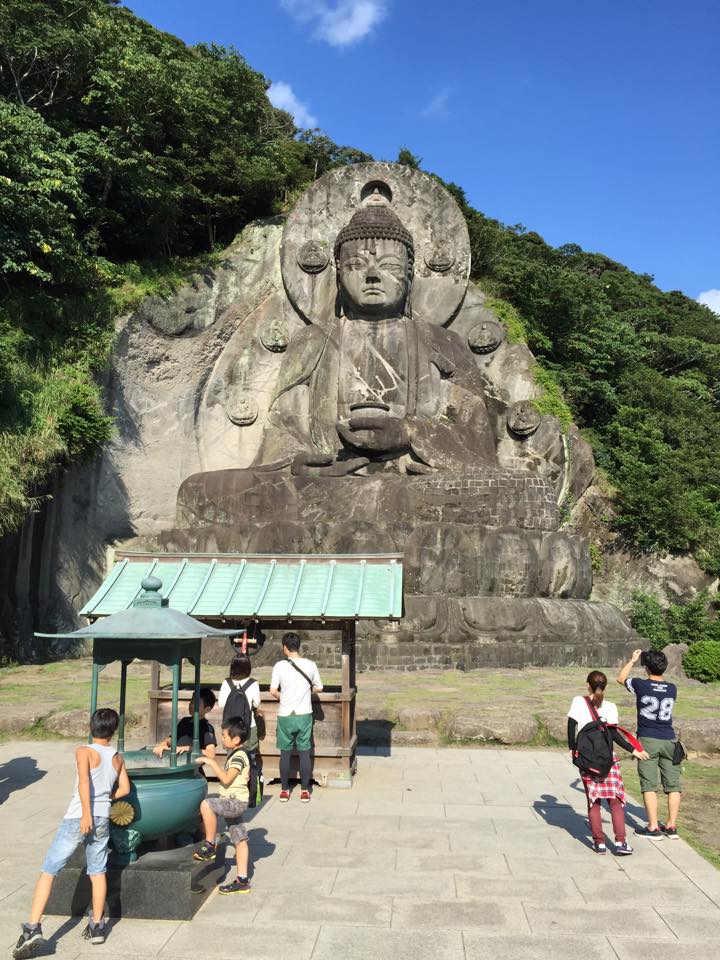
(347, 656)
(174, 711)
(94, 690)
(123, 692)
(154, 688)
(196, 711)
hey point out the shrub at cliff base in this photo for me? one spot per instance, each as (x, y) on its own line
(702, 661)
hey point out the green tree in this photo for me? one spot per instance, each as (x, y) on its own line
(649, 619)
(408, 159)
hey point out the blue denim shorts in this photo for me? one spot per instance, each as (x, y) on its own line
(68, 838)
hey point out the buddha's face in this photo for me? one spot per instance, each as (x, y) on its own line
(373, 279)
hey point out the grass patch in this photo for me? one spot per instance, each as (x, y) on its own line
(129, 283)
(552, 401)
(508, 315)
(543, 737)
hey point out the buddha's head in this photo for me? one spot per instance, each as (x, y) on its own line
(374, 258)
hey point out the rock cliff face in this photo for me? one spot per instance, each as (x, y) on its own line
(190, 370)
(164, 355)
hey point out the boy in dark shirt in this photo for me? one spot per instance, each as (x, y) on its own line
(185, 728)
(655, 699)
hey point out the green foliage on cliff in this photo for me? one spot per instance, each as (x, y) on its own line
(692, 622)
(702, 661)
(639, 369)
(124, 155)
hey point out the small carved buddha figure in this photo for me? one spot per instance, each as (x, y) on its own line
(375, 389)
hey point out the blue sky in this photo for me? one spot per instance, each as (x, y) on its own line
(592, 123)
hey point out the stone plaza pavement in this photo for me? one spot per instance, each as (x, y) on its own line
(434, 853)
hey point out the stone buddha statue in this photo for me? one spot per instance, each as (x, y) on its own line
(375, 390)
(371, 403)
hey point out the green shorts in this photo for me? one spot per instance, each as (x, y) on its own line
(661, 754)
(295, 732)
(252, 741)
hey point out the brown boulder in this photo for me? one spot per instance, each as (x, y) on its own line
(483, 727)
(699, 736)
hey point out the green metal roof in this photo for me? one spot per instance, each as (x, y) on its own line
(230, 586)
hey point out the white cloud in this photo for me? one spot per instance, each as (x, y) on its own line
(282, 96)
(437, 104)
(711, 298)
(341, 23)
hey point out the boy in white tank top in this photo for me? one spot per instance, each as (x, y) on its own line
(101, 778)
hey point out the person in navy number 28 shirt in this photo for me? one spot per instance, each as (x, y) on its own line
(655, 699)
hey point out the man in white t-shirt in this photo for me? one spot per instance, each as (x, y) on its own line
(293, 682)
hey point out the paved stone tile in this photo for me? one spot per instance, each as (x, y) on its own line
(324, 837)
(269, 877)
(527, 889)
(405, 839)
(421, 797)
(395, 883)
(11, 882)
(334, 943)
(612, 922)
(491, 843)
(493, 865)
(455, 914)
(125, 938)
(479, 946)
(507, 795)
(593, 867)
(480, 828)
(574, 847)
(354, 859)
(654, 891)
(225, 910)
(635, 949)
(380, 823)
(377, 859)
(285, 910)
(235, 939)
(128, 938)
(476, 812)
(370, 808)
(693, 925)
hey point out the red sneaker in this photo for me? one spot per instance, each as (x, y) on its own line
(284, 796)
(304, 796)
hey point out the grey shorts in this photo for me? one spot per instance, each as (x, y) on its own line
(232, 812)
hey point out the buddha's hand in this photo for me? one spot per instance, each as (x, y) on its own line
(320, 465)
(383, 434)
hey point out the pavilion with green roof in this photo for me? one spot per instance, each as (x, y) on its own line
(233, 592)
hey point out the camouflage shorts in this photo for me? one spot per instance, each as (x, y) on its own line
(232, 812)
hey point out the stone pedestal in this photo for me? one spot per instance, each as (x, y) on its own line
(490, 579)
(160, 885)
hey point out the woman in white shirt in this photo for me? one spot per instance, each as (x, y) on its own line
(239, 676)
(612, 787)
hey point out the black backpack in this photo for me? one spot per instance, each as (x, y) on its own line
(256, 780)
(593, 753)
(237, 706)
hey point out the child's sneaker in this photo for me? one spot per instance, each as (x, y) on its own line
(284, 796)
(599, 847)
(623, 849)
(30, 939)
(94, 932)
(304, 796)
(206, 851)
(669, 832)
(237, 886)
(648, 834)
